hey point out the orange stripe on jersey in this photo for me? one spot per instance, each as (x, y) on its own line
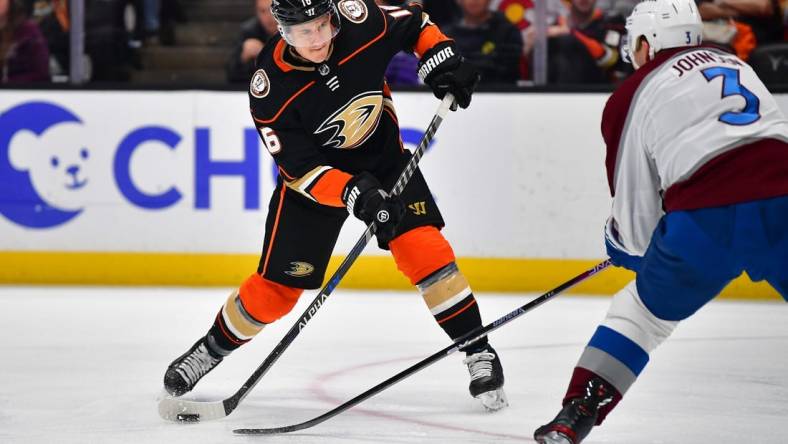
(420, 252)
(327, 190)
(284, 173)
(273, 232)
(366, 45)
(390, 112)
(388, 107)
(298, 93)
(595, 48)
(429, 37)
(394, 119)
(279, 52)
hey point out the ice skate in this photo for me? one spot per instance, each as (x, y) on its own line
(574, 422)
(184, 372)
(486, 378)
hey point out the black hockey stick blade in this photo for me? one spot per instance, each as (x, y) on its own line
(462, 342)
(184, 410)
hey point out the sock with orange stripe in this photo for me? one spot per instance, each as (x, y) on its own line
(450, 300)
(221, 338)
(257, 303)
(425, 257)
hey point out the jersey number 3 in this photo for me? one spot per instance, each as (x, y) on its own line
(732, 87)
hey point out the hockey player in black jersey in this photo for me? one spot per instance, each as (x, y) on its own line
(324, 112)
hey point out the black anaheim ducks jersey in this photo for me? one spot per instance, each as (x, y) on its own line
(324, 122)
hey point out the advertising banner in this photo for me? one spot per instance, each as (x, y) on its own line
(518, 177)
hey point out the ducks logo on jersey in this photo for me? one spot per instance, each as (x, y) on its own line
(353, 123)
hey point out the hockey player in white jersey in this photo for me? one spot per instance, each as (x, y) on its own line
(697, 164)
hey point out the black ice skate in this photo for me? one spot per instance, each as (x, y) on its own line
(486, 378)
(182, 375)
(578, 416)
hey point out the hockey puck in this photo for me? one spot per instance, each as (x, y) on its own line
(188, 417)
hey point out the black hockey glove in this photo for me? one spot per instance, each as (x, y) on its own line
(367, 201)
(444, 70)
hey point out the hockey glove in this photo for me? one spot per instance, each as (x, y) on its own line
(445, 71)
(619, 255)
(367, 201)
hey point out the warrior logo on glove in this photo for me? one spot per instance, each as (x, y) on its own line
(445, 71)
(430, 64)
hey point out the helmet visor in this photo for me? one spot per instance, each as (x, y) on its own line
(314, 33)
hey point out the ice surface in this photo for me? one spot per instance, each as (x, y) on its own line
(84, 365)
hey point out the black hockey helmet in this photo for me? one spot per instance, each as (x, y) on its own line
(289, 14)
(294, 12)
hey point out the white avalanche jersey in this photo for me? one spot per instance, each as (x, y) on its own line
(684, 132)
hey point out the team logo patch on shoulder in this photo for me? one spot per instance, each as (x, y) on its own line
(300, 269)
(353, 10)
(260, 85)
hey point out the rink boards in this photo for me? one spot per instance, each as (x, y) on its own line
(172, 188)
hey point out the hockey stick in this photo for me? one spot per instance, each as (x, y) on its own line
(182, 410)
(462, 342)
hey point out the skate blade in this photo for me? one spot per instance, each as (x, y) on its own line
(493, 400)
(553, 438)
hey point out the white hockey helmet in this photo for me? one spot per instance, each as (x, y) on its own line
(664, 24)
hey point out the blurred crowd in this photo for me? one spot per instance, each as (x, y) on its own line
(35, 42)
(583, 37)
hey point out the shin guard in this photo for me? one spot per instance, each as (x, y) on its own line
(620, 347)
(247, 311)
(425, 257)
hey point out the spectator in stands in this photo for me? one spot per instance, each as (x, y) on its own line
(154, 21)
(740, 25)
(24, 56)
(108, 56)
(784, 7)
(583, 46)
(150, 21)
(441, 12)
(488, 40)
(255, 32)
(522, 13)
(402, 69)
(617, 7)
(170, 13)
(53, 20)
